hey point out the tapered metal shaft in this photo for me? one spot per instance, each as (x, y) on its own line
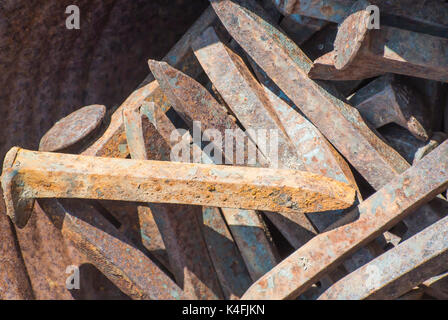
(28, 175)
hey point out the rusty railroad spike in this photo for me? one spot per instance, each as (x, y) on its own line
(421, 183)
(246, 226)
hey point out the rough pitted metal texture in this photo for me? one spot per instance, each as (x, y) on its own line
(48, 71)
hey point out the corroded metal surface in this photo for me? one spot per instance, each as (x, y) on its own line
(178, 225)
(287, 66)
(392, 203)
(385, 100)
(390, 49)
(27, 175)
(399, 270)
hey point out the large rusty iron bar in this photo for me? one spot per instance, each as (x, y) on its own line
(405, 193)
(429, 16)
(386, 100)
(246, 226)
(389, 49)
(178, 225)
(287, 66)
(398, 270)
(28, 175)
(132, 271)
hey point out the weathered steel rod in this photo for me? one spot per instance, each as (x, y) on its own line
(405, 193)
(28, 175)
(398, 270)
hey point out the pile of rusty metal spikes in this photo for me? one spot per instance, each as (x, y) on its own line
(334, 211)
